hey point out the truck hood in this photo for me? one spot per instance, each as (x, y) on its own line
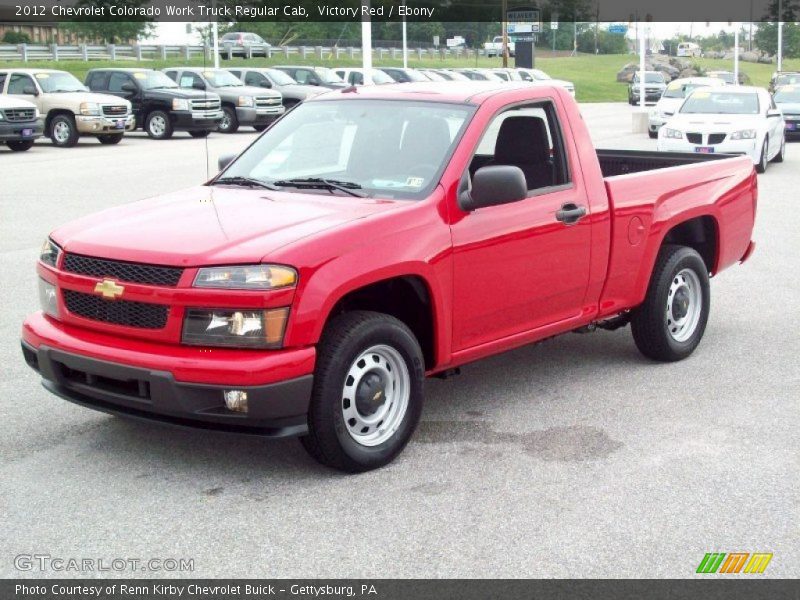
(211, 225)
(182, 93)
(78, 97)
(669, 105)
(298, 90)
(245, 90)
(789, 108)
(9, 102)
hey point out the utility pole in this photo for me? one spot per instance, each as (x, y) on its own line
(405, 42)
(596, 25)
(780, 36)
(366, 43)
(215, 34)
(505, 33)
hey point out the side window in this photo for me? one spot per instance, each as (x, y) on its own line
(18, 82)
(356, 78)
(189, 79)
(302, 76)
(172, 75)
(116, 81)
(2, 82)
(528, 137)
(254, 78)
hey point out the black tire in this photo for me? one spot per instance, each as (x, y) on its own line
(111, 139)
(344, 340)
(229, 123)
(20, 145)
(158, 125)
(653, 134)
(63, 131)
(761, 167)
(260, 128)
(778, 158)
(651, 324)
(199, 134)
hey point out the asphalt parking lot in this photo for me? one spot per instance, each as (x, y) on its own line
(573, 458)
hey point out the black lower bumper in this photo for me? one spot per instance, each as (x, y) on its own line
(275, 410)
(14, 131)
(185, 122)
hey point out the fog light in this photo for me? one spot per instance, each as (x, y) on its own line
(236, 400)
(48, 298)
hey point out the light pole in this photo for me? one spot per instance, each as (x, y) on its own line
(780, 36)
(366, 42)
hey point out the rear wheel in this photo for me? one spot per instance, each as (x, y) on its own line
(229, 122)
(20, 145)
(778, 158)
(111, 139)
(63, 131)
(158, 125)
(368, 390)
(199, 134)
(761, 167)
(671, 321)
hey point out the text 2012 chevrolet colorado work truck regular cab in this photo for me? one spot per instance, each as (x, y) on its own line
(372, 237)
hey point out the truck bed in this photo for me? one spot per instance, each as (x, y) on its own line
(623, 162)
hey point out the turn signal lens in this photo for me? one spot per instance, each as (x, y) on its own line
(235, 328)
(48, 298)
(255, 277)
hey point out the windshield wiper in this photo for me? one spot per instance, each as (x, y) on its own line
(245, 181)
(347, 187)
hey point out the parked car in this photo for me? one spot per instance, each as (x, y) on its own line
(689, 49)
(781, 78)
(729, 77)
(293, 93)
(319, 76)
(159, 105)
(445, 74)
(673, 97)
(363, 243)
(243, 44)
(727, 120)
(431, 75)
(654, 86)
(20, 123)
(787, 99)
(495, 47)
(507, 74)
(539, 76)
(401, 75)
(241, 104)
(68, 107)
(480, 75)
(355, 76)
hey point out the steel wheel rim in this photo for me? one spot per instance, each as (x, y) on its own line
(226, 121)
(684, 305)
(388, 365)
(61, 131)
(158, 125)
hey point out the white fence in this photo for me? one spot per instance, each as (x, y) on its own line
(142, 52)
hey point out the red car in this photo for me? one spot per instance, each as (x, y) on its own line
(371, 238)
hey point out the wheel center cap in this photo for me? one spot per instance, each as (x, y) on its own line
(370, 394)
(680, 304)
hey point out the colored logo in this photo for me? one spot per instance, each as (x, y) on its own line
(109, 289)
(734, 562)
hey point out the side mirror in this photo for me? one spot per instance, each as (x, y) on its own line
(493, 185)
(225, 160)
(774, 113)
(129, 87)
(29, 90)
(198, 85)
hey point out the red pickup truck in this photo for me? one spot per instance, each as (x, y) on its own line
(371, 238)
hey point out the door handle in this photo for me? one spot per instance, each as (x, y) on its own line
(570, 213)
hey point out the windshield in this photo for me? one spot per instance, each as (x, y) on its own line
(787, 94)
(379, 77)
(650, 77)
(681, 90)
(540, 75)
(787, 79)
(279, 77)
(151, 80)
(328, 75)
(59, 82)
(390, 148)
(230, 36)
(222, 78)
(721, 103)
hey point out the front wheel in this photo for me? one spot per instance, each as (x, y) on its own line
(111, 139)
(671, 321)
(368, 391)
(158, 125)
(260, 128)
(20, 145)
(229, 122)
(653, 135)
(199, 134)
(63, 131)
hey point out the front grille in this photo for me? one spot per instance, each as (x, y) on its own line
(122, 271)
(267, 101)
(716, 138)
(115, 110)
(695, 138)
(118, 312)
(208, 104)
(16, 115)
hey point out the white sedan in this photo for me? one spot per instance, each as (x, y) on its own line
(727, 120)
(673, 97)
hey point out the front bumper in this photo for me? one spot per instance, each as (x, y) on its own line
(259, 116)
(171, 384)
(196, 121)
(792, 126)
(10, 132)
(747, 147)
(99, 125)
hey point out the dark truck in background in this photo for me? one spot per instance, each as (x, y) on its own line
(159, 105)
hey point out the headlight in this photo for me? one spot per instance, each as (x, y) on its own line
(256, 277)
(744, 134)
(178, 104)
(1, 115)
(49, 253)
(245, 101)
(235, 328)
(90, 108)
(47, 298)
(672, 133)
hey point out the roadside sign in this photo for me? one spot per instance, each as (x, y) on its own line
(523, 21)
(436, 41)
(618, 28)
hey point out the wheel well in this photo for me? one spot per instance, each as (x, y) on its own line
(406, 299)
(699, 233)
(53, 114)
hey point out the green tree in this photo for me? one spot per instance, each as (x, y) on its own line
(109, 30)
(16, 37)
(766, 39)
